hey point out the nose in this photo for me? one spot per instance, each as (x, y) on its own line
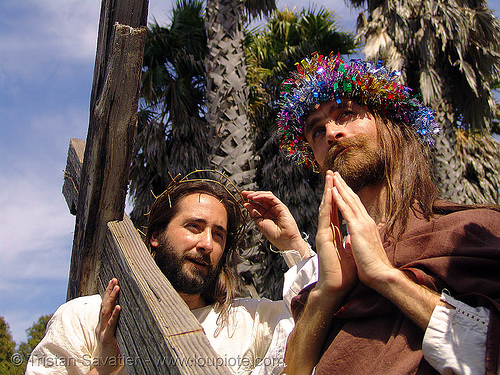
(205, 241)
(334, 132)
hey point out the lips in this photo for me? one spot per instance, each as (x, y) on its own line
(337, 151)
(198, 261)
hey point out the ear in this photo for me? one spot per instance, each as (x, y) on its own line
(153, 241)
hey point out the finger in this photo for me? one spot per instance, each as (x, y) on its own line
(337, 236)
(268, 207)
(256, 211)
(348, 195)
(349, 203)
(110, 287)
(329, 179)
(112, 323)
(334, 214)
(265, 198)
(324, 216)
(109, 299)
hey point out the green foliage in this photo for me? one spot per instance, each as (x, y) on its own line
(7, 351)
(12, 361)
(35, 334)
(272, 52)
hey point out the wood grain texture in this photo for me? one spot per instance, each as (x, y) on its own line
(72, 174)
(110, 138)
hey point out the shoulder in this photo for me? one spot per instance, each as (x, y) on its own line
(87, 302)
(253, 303)
(255, 306)
(472, 221)
(70, 339)
(449, 217)
(76, 314)
(80, 306)
(488, 215)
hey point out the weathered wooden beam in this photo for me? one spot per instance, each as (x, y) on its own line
(110, 137)
(157, 333)
(73, 172)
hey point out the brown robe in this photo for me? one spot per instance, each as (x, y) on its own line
(459, 251)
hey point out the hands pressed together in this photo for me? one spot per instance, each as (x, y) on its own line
(362, 256)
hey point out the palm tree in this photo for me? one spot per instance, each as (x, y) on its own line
(172, 134)
(227, 92)
(449, 50)
(271, 54)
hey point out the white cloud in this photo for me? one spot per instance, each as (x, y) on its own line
(35, 241)
(41, 38)
(38, 32)
(36, 228)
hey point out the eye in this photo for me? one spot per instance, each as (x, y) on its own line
(316, 131)
(193, 226)
(345, 115)
(219, 234)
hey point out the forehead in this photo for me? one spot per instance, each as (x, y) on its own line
(202, 206)
(330, 106)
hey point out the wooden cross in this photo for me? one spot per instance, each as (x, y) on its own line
(157, 333)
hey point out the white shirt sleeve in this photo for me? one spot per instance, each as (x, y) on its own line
(455, 339)
(70, 342)
(296, 279)
(293, 257)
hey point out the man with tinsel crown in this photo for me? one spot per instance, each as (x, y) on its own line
(408, 283)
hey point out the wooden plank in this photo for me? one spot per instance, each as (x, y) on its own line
(72, 174)
(113, 119)
(171, 340)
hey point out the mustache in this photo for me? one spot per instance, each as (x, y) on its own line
(342, 144)
(200, 258)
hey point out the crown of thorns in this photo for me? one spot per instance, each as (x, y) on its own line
(323, 78)
(211, 176)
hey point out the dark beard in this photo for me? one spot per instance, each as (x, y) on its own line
(194, 282)
(359, 165)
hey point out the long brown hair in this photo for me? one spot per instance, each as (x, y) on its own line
(166, 206)
(408, 177)
(407, 174)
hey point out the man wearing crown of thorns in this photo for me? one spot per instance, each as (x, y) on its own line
(383, 302)
(194, 229)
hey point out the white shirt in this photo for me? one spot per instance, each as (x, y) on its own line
(454, 342)
(455, 339)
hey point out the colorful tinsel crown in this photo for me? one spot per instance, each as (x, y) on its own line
(323, 78)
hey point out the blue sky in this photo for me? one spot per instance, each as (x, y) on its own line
(47, 52)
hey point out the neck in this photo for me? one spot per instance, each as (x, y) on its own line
(194, 301)
(374, 198)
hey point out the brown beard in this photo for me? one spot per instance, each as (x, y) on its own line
(358, 164)
(183, 281)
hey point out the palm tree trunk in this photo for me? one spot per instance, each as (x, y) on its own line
(227, 93)
(448, 168)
